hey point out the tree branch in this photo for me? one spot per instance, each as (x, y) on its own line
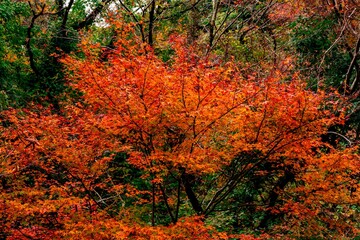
(352, 64)
(92, 16)
(190, 194)
(135, 19)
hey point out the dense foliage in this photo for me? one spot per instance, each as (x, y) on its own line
(179, 119)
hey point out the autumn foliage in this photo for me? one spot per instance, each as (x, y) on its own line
(168, 144)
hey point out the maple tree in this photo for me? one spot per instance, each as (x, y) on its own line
(172, 145)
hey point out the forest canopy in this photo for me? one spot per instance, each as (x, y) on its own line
(179, 119)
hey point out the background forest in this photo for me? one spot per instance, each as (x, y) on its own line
(169, 119)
